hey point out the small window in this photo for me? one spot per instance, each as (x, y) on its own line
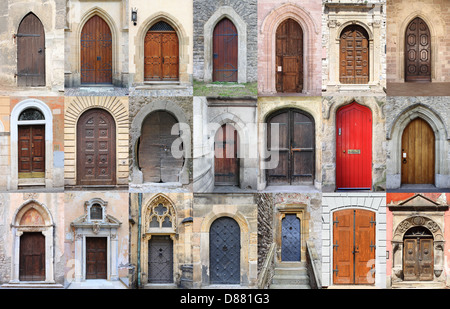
(96, 212)
(161, 26)
(31, 114)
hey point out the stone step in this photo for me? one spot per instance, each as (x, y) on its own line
(292, 279)
(291, 270)
(32, 286)
(167, 286)
(289, 286)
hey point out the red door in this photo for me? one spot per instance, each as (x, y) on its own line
(225, 52)
(354, 147)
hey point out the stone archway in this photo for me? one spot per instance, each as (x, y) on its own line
(413, 221)
(394, 135)
(269, 28)
(33, 217)
(241, 26)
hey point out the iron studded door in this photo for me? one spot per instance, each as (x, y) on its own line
(290, 238)
(225, 52)
(160, 259)
(225, 251)
(31, 52)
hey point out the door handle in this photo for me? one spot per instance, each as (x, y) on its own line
(40, 50)
(343, 151)
(404, 161)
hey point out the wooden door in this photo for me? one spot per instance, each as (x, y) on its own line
(289, 57)
(295, 144)
(353, 246)
(160, 259)
(96, 253)
(290, 238)
(354, 56)
(418, 151)
(418, 259)
(30, 52)
(32, 257)
(417, 52)
(226, 159)
(31, 151)
(156, 160)
(96, 52)
(161, 49)
(96, 148)
(225, 52)
(225, 251)
(354, 147)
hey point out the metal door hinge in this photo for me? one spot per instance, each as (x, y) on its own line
(336, 221)
(372, 246)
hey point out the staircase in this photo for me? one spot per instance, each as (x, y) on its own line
(290, 275)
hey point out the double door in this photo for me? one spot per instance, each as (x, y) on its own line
(418, 259)
(31, 151)
(32, 257)
(353, 246)
(417, 52)
(354, 56)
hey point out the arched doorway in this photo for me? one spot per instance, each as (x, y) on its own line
(225, 251)
(418, 153)
(226, 158)
(417, 51)
(289, 57)
(418, 254)
(161, 53)
(31, 144)
(155, 157)
(96, 52)
(354, 55)
(30, 52)
(353, 246)
(354, 147)
(96, 148)
(295, 145)
(225, 52)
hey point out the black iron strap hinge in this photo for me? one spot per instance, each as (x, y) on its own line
(336, 221)
(372, 222)
(372, 246)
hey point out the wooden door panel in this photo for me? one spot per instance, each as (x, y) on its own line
(32, 257)
(365, 246)
(152, 56)
(31, 151)
(417, 52)
(96, 148)
(354, 147)
(418, 153)
(289, 57)
(354, 56)
(96, 52)
(96, 253)
(31, 52)
(156, 160)
(170, 56)
(410, 257)
(225, 52)
(343, 266)
(226, 160)
(426, 261)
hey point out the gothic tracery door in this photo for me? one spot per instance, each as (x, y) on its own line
(96, 52)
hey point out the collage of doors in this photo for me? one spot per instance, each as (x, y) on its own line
(215, 144)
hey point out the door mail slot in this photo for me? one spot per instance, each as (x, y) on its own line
(354, 151)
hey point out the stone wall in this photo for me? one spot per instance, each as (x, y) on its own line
(247, 11)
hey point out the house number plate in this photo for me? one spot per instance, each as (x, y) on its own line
(354, 151)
